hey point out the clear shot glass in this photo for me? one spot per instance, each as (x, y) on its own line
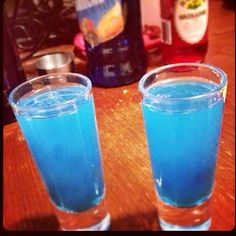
(182, 108)
(57, 117)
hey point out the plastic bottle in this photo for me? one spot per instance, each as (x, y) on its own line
(184, 26)
(113, 40)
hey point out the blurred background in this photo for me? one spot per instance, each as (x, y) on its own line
(40, 23)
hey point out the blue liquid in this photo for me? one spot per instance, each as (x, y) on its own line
(183, 142)
(65, 147)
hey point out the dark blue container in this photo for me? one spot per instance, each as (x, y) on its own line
(113, 41)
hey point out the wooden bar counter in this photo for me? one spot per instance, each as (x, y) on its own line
(130, 192)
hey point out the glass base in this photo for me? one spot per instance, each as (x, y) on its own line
(103, 225)
(169, 227)
(94, 219)
(195, 218)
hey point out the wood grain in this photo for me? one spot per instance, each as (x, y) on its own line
(130, 194)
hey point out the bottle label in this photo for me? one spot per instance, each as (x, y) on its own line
(191, 19)
(100, 20)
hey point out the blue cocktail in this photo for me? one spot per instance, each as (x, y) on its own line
(183, 107)
(56, 114)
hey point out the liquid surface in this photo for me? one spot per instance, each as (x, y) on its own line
(183, 142)
(65, 147)
(182, 89)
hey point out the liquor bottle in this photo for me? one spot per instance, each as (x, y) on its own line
(184, 25)
(113, 40)
(13, 73)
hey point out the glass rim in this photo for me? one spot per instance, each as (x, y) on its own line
(219, 87)
(54, 76)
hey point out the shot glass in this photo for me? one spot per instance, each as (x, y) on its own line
(182, 109)
(57, 117)
(58, 62)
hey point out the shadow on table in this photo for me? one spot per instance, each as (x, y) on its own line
(46, 222)
(137, 222)
(147, 221)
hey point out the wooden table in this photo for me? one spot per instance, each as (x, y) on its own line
(130, 193)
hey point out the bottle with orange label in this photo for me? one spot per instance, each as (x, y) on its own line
(114, 47)
(184, 25)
